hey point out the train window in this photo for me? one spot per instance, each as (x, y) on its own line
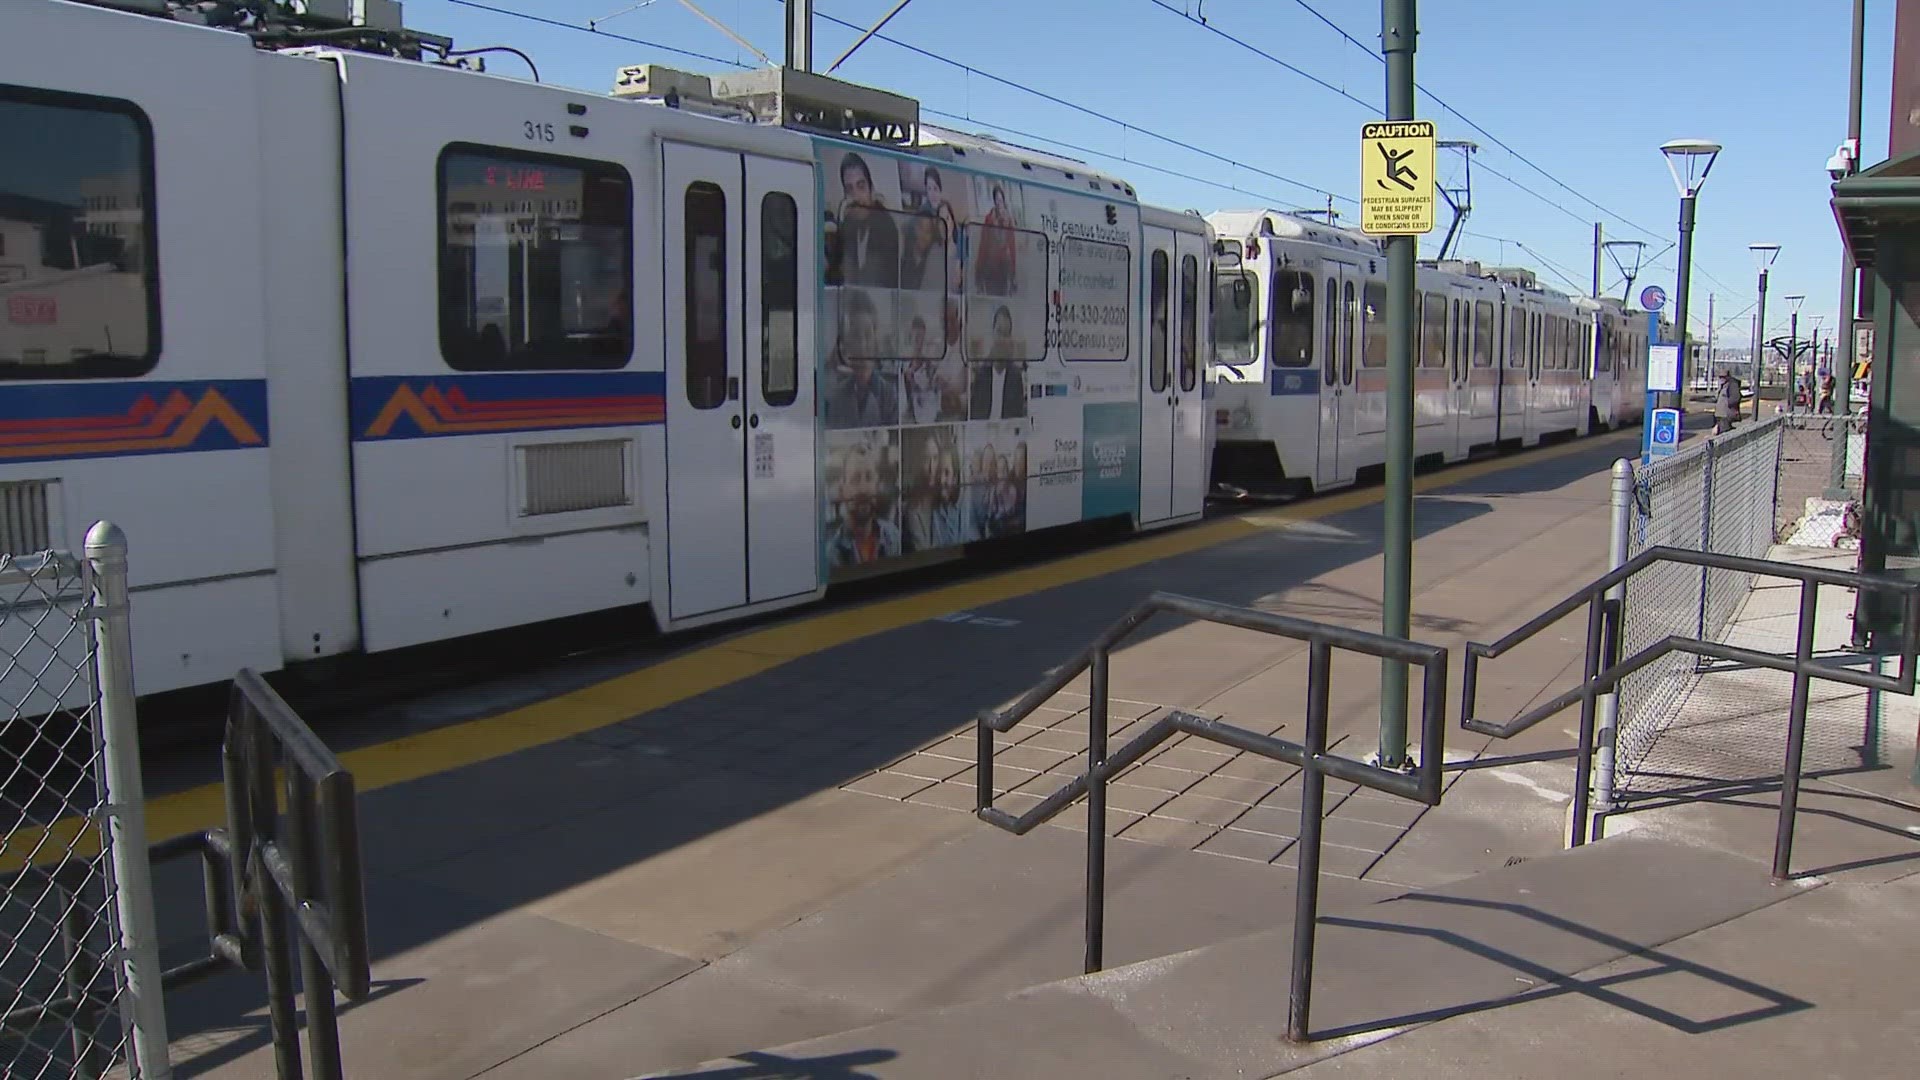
(78, 270)
(1007, 296)
(1236, 316)
(1556, 344)
(1351, 323)
(1482, 334)
(1290, 322)
(1373, 351)
(1159, 289)
(1330, 355)
(706, 295)
(779, 299)
(1189, 323)
(1433, 331)
(1460, 337)
(536, 257)
(1516, 338)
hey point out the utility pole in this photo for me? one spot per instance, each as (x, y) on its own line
(800, 35)
(1598, 245)
(1398, 33)
(1709, 336)
(1843, 354)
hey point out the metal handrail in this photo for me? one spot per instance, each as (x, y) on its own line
(1604, 671)
(1421, 784)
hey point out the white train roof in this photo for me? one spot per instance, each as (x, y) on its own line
(990, 154)
(1241, 224)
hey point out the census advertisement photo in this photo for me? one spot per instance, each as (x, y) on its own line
(862, 486)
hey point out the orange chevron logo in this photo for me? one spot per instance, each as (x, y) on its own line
(449, 412)
(176, 423)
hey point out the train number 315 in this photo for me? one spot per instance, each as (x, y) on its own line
(537, 132)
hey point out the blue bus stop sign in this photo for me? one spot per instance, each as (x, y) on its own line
(1666, 432)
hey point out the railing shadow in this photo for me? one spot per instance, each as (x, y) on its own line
(760, 1065)
(1420, 781)
(1604, 672)
(1560, 983)
(256, 1032)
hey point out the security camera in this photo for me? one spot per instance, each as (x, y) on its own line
(1841, 163)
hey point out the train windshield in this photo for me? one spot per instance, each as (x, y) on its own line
(1291, 322)
(1236, 316)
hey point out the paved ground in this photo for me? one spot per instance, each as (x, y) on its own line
(767, 841)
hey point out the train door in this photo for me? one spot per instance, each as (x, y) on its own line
(1460, 316)
(1512, 423)
(740, 449)
(1157, 381)
(1189, 406)
(1340, 315)
(1536, 353)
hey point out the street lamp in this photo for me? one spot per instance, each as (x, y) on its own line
(1793, 349)
(1763, 256)
(1683, 157)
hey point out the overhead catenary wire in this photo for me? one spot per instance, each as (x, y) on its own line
(1470, 122)
(1010, 83)
(1015, 84)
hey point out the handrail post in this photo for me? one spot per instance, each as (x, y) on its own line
(1096, 810)
(1621, 504)
(1306, 906)
(1583, 769)
(1706, 536)
(1796, 731)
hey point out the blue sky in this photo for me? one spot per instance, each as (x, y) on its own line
(1585, 91)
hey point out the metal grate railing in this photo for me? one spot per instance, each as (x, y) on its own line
(1718, 496)
(1604, 674)
(1811, 512)
(79, 964)
(1421, 784)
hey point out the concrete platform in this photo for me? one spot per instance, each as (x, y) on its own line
(1417, 958)
(768, 839)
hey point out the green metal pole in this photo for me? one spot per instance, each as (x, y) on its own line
(1678, 400)
(1843, 353)
(1398, 30)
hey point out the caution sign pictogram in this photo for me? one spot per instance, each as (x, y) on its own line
(1397, 189)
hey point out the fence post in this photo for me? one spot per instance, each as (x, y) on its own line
(1619, 535)
(143, 1009)
(1706, 536)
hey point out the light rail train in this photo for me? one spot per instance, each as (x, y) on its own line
(366, 349)
(1500, 361)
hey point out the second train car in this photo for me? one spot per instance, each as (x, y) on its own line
(1301, 399)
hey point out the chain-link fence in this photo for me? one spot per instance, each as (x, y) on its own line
(1718, 495)
(79, 970)
(1812, 511)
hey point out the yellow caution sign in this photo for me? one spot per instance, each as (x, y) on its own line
(1397, 190)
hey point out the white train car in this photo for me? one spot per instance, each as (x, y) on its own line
(1301, 401)
(365, 352)
(1619, 370)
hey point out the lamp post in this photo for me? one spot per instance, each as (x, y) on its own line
(1683, 157)
(1763, 256)
(1793, 349)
